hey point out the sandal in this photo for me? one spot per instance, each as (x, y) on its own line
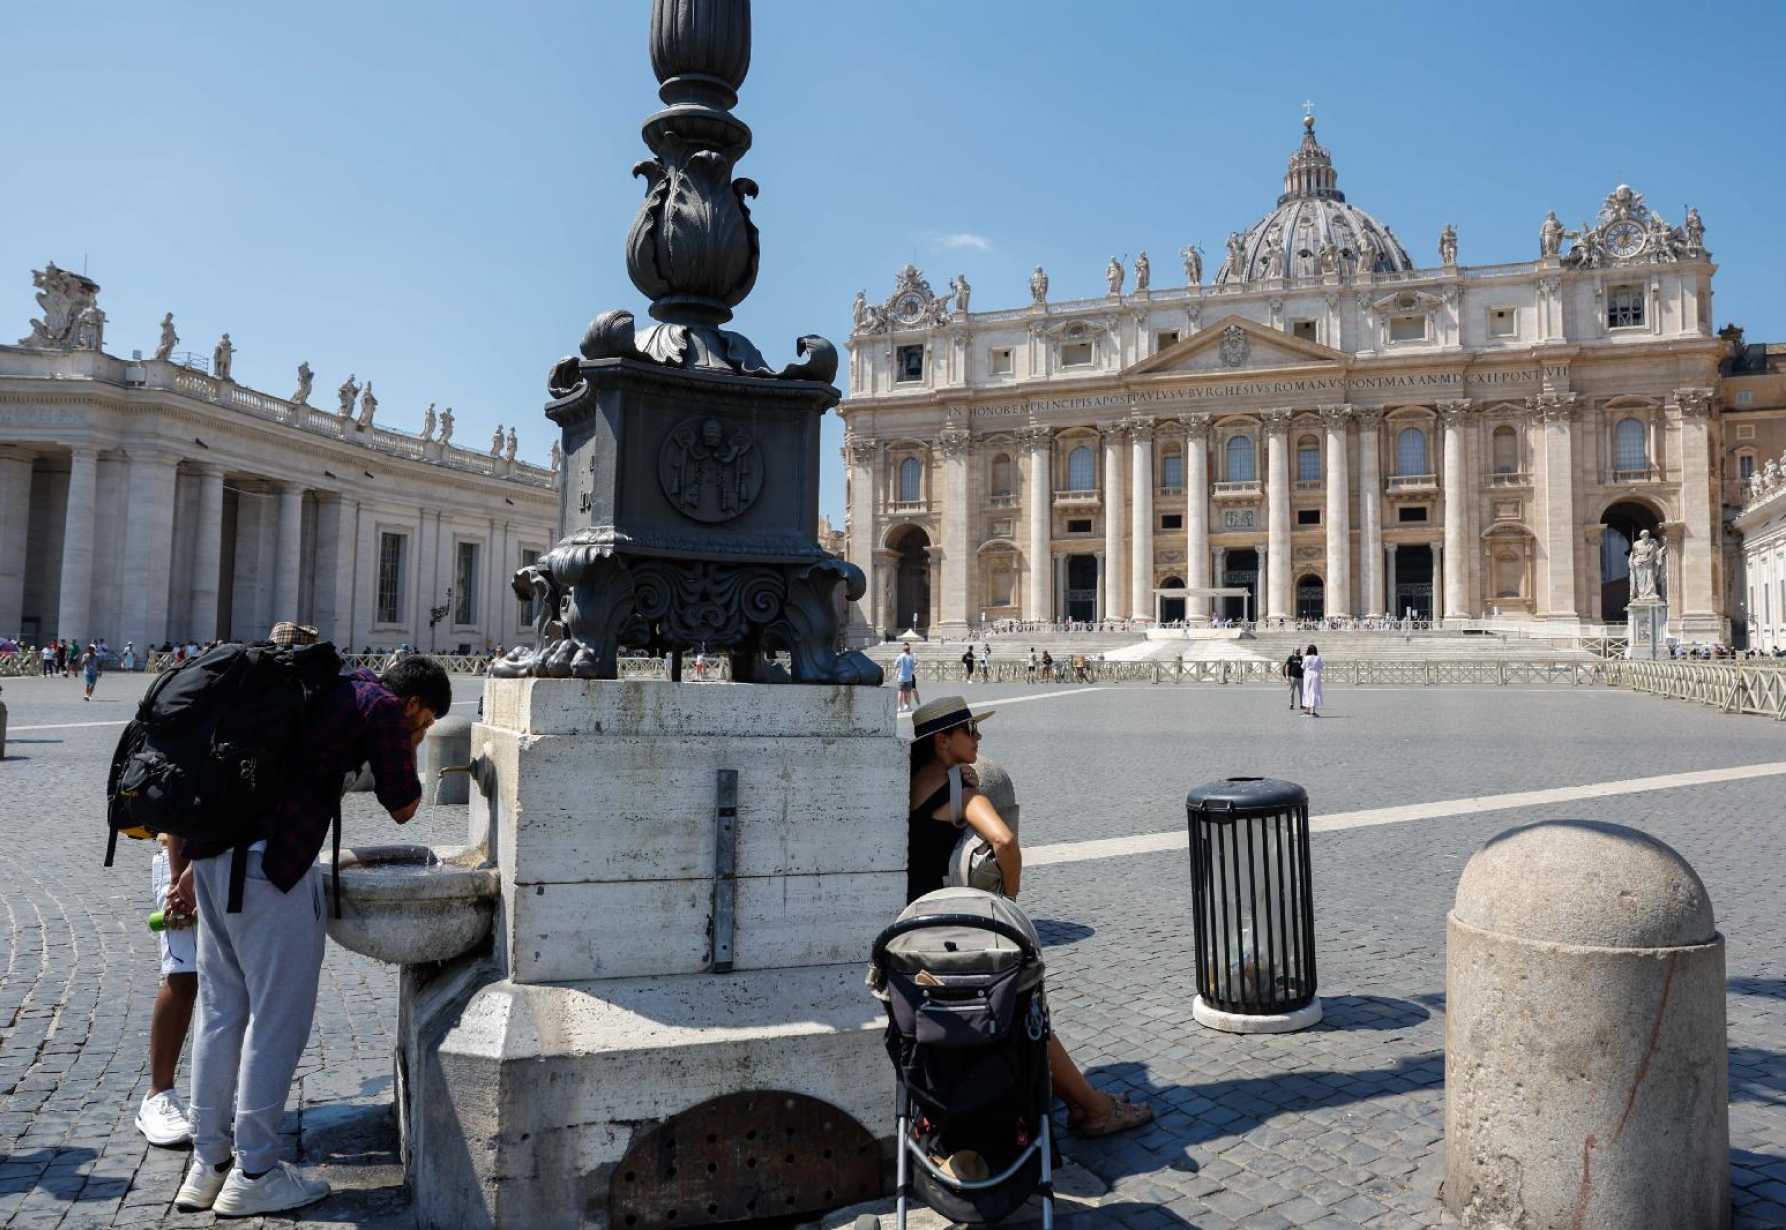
(1123, 1116)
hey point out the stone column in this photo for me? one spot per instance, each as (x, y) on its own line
(1141, 604)
(1038, 596)
(207, 554)
(1277, 517)
(1391, 603)
(1370, 514)
(886, 571)
(1219, 577)
(15, 517)
(1556, 503)
(76, 591)
(1338, 512)
(1455, 416)
(1441, 578)
(864, 456)
(289, 499)
(1196, 517)
(957, 513)
(1696, 606)
(148, 546)
(337, 543)
(1116, 544)
(1593, 538)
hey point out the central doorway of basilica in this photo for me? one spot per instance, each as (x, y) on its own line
(1413, 581)
(1240, 570)
(1082, 588)
(1171, 609)
(1623, 521)
(1310, 597)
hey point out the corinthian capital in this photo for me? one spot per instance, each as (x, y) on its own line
(1196, 428)
(1278, 418)
(1337, 414)
(1368, 416)
(954, 444)
(1695, 403)
(860, 450)
(1553, 407)
(1452, 413)
(1141, 428)
(1113, 433)
(1035, 436)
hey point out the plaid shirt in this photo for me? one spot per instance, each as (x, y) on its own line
(357, 721)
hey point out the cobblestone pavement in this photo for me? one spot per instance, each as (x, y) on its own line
(1336, 1127)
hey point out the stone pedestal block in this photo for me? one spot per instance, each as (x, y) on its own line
(601, 811)
(1585, 1065)
(519, 1101)
(1646, 630)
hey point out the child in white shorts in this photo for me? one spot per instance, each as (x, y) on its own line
(162, 1117)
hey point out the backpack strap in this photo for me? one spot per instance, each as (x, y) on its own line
(956, 813)
(238, 872)
(111, 847)
(335, 865)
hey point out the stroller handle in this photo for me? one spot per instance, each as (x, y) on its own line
(998, 927)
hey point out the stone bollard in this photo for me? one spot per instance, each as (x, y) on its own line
(1586, 1080)
(447, 745)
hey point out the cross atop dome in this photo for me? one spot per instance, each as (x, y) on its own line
(1308, 114)
(1311, 172)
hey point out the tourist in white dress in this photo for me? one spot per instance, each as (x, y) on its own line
(1311, 681)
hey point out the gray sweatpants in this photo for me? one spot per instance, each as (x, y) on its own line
(257, 974)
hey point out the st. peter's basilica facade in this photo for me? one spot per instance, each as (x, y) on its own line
(1325, 425)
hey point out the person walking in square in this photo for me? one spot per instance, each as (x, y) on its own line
(905, 673)
(89, 670)
(49, 659)
(1312, 670)
(1293, 673)
(258, 967)
(967, 664)
(985, 659)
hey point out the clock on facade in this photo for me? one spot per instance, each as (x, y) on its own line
(909, 308)
(1624, 238)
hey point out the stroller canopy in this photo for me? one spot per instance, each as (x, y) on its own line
(957, 948)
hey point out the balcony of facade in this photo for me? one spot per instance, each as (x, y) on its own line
(1090, 498)
(1308, 485)
(1002, 499)
(1510, 478)
(907, 508)
(1171, 489)
(1407, 484)
(1238, 489)
(1638, 474)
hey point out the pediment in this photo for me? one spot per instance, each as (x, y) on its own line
(1236, 344)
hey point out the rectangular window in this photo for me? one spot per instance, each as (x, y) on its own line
(1165, 339)
(1745, 398)
(1001, 587)
(1502, 322)
(1411, 512)
(1745, 431)
(465, 584)
(911, 364)
(1308, 516)
(1172, 521)
(1075, 354)
(1407, 328)
(1000, 361)
(1172, 471)
(390, 578)
(1308, 464)
(1745, 465)
(1624, 307)
(1304, 329)
(1079, 525)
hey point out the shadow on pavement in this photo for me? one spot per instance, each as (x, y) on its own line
(1056, 932)
(63, 1174)
(1370, 1012)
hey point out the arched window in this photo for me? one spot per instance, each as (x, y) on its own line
(1505, 447)
(909, 474)
(1172, 470)
(1001, 474)
(1308, 459)
(1081, 472)
(1628, 448)
(1240, 459)
(1410, 451)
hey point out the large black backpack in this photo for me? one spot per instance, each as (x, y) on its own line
(216, 743)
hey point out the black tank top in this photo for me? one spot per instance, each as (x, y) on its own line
(929, 842)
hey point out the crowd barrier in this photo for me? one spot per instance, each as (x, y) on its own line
(1361, 673)
(1755, 686)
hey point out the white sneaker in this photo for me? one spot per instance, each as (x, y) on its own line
(281, 1188)
(199, 1191)
(162, 1119)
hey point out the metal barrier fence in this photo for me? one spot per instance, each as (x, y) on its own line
(1733, 687)
(1363, 672)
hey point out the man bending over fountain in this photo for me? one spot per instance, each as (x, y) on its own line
(258, 967)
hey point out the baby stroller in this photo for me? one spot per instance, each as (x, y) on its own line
(967, 1029)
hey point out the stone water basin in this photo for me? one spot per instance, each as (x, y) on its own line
(409, 904)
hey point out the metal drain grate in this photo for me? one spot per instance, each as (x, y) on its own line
(741, 1157)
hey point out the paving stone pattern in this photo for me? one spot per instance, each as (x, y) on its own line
(1339, 1126)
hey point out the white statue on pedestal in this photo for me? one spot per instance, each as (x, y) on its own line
(446, 427)
(222, 356)
(428, 424)
(346, 395)
(1646, 559)
(164, 349)
(508, 451)
(301, 396)
(496, 441)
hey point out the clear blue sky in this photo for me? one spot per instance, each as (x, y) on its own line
(435, 195)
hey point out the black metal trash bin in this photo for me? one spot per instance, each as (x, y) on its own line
(1252, 897)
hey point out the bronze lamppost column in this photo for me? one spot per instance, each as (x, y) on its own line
(688, 513)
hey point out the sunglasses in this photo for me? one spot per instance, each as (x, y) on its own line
(972, 729)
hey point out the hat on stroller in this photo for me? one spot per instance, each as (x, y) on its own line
(961, 973)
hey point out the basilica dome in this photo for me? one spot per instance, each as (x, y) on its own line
(1313, 229)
